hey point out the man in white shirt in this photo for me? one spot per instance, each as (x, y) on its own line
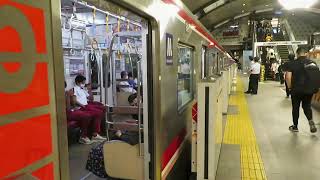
(254, 77)
(250, 84)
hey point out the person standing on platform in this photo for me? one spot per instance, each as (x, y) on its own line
(254, 76)
(250, 83)
(281, 73)
(285, 67)
(298, 82)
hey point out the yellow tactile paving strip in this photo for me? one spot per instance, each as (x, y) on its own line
(239, 130)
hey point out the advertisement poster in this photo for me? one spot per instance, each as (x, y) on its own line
(169, 49)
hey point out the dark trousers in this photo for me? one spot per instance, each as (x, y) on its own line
(281, 76)
(250, 85)
(297, 99)
(287, 89)
(253, 83)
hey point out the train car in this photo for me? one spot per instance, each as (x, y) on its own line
(49, 42)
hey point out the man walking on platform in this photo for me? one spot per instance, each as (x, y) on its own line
(291, 58)
(299, 82)
(254, 77)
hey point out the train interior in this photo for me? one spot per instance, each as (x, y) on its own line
(109, 48)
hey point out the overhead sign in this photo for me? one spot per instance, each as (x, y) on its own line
(281, 43)
(169, 49)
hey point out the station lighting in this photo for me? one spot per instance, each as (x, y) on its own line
(157, 10)
(295, 4)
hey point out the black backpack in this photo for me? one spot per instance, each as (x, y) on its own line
(311, 77)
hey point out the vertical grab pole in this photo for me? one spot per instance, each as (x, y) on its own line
(100, 76)
(129, 54)
(106, 79)
(139, 105)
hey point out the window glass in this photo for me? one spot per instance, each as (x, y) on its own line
(204, 72)
(211, 63)
(185, 75)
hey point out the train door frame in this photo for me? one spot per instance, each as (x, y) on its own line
(59, 89)
(152, 161)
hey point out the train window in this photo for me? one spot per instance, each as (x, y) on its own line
(204, 72)
(185, 75)
(210, 63)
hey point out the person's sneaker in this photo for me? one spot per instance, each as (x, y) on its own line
(313, 128)
(118, 133)
(247, 92)
(293, 128)
(85, 140)
(98, 138)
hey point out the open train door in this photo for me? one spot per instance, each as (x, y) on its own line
(29, 93)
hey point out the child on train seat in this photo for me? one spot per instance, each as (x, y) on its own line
(86, 119)
(124, 82)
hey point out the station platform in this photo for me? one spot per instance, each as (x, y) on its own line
(257, 143)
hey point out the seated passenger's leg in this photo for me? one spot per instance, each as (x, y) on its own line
(98, 117)
(84, 120)
(97, 105)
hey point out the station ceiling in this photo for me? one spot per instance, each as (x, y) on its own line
(212, 13)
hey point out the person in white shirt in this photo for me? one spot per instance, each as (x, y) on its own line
(271, 54)
(250, 84)
(126, 85)
(89, 109)
(254, 76)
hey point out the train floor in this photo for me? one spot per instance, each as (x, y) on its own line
(78, 155)
(257, 143)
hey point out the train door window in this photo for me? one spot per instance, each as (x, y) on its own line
(204, 72)
(185, 75)
(210, 65)
(108, 48)
(218, 63)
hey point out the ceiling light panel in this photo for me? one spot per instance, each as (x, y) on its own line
(214, 5)
(294, 4)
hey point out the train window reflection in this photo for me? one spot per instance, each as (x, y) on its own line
(185, 75)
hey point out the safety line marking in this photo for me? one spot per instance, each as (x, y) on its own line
(283, 90)
(239, 130)
(86, 176)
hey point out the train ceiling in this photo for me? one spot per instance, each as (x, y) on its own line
(213, 13)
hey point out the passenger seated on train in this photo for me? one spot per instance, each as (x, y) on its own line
(133, 101)
(83, 96)
(124, 82)
(132, 80)
(88, 121)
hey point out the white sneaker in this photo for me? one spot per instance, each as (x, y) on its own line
(118, 133)
(85, 140)
(98, 138)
